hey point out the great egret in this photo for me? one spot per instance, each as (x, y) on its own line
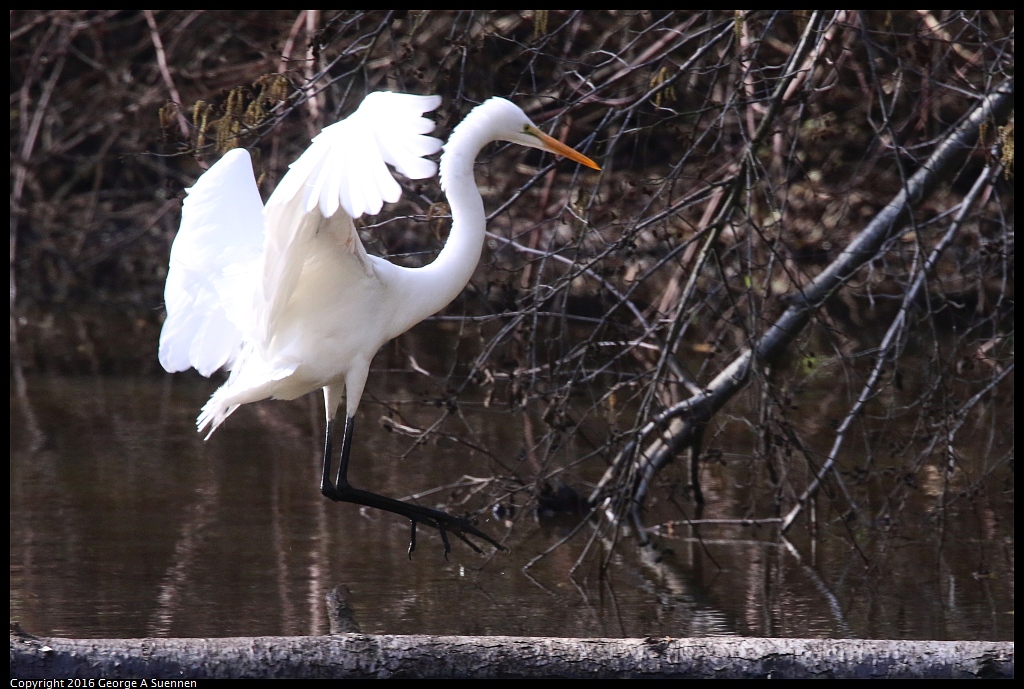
(286, 297)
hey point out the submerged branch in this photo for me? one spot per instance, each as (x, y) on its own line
(685, 418)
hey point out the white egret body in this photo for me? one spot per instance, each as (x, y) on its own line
(286, 297)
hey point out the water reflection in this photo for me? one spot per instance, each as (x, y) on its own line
(125, 523)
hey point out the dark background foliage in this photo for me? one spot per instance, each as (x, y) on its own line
(589, 278)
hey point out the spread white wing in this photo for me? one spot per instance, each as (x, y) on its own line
(345, 163)
(345, 166)
(214, 268)
(234, 264)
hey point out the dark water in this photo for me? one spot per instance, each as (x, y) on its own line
(124, 523)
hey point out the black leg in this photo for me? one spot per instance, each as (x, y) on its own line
(346, 445)
(326, 487)
(444, 539)
(342, 491)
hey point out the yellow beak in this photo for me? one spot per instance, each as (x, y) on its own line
(555, 146)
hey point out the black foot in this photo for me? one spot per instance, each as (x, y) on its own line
(341, 491)
(416, 514)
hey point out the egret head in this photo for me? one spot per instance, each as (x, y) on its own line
(518, 129)
(497, 119)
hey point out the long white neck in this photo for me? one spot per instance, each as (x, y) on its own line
(434, 286)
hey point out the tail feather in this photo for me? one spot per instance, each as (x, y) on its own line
(213, 414)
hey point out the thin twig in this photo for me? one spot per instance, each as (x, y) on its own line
(165, 72)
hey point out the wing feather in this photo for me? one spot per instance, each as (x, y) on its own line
(209, 288)
(386, 128)
(235, 263)
(344, 170)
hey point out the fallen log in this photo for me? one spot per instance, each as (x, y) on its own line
(350, 656)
